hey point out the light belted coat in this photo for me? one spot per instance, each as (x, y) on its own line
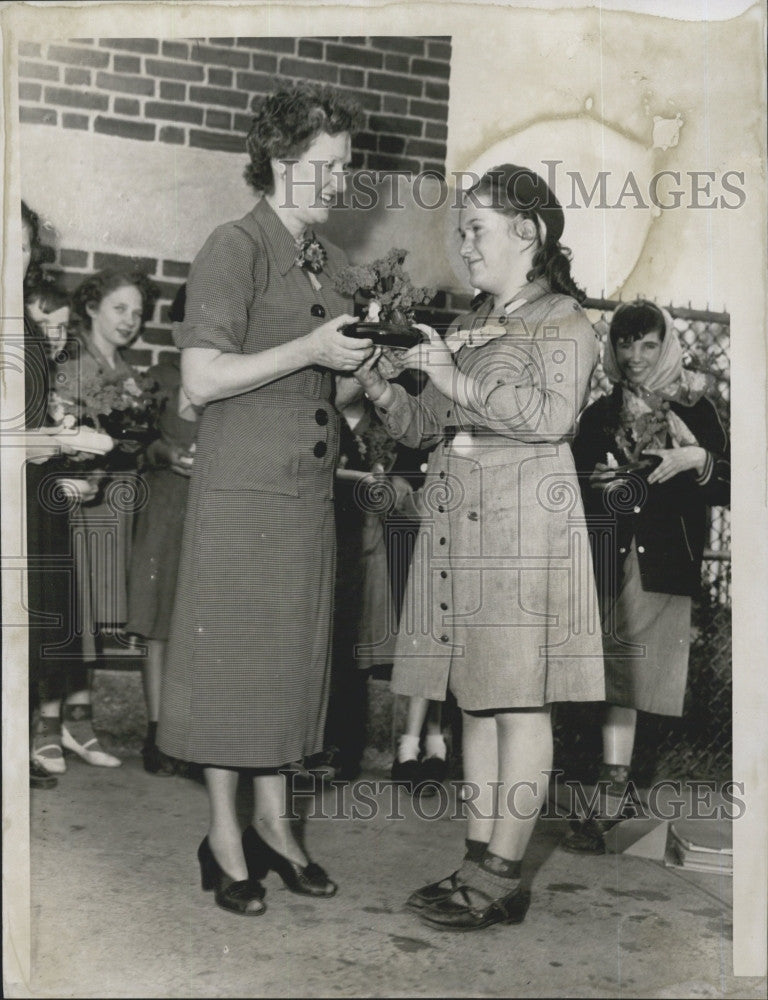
(501, 602)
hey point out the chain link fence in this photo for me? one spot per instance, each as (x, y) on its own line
(698, 745)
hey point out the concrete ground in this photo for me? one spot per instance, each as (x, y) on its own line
(117, 908)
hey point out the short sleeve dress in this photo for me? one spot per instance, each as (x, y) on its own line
(500, 604)
(247, 673)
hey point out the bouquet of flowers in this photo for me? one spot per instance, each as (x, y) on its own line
(638, 431)
(127, 409)
(392, 295)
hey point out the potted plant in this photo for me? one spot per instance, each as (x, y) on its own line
(391, 300)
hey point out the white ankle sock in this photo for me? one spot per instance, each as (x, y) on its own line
(407, 748)
(434, 746)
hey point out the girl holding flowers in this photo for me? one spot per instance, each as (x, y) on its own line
(93, 382)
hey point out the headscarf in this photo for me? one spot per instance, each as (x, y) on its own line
(668, 382)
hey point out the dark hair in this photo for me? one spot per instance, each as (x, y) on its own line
(49, 294)
(91, 291)
(517, 191)
(31, 220)
(289, 120)
(633, 320)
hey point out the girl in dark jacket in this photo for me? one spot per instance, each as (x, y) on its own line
(648, 528)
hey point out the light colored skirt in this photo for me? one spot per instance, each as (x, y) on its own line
(646, 639)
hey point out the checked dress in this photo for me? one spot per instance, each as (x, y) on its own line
(247, 676)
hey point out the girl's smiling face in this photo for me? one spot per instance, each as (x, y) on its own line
(492, 245)
(116, 319)
(637, 358)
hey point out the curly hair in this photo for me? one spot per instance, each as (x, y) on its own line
(31, 220)
(520, 192)
(91, 292)
(289, 120)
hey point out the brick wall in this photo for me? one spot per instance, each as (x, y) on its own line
(200, 92)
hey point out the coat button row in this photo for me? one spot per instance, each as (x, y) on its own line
(321, 416)
(320, 449)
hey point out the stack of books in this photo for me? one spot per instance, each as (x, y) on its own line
(701, 845)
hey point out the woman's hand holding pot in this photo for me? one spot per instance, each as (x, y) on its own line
(327, 346)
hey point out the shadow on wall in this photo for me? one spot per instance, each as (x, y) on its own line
(598, 175)
(601, 179)
(408, 212)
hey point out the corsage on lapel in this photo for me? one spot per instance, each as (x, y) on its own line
(311, 257)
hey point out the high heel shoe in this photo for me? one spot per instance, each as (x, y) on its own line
(244, 897)
(311, 880)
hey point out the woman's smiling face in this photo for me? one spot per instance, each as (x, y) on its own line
(116, 320)
(314, 180)
(490, 244)
(637, 358)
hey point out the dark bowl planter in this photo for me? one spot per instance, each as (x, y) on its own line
(385, 334)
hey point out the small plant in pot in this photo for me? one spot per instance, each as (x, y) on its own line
(392, 297)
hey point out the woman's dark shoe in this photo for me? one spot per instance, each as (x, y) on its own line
(406, 772)
(587, 835)
(433, 893)
(434, 769)
(460, 912)
(416, 777)
(157, 762)
(244, 897)
(260, 858)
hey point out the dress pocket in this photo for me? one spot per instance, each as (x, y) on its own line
(256, 450)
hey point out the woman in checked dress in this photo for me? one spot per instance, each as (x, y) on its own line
(247, 675)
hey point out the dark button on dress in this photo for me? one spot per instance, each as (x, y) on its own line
(248, 661)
